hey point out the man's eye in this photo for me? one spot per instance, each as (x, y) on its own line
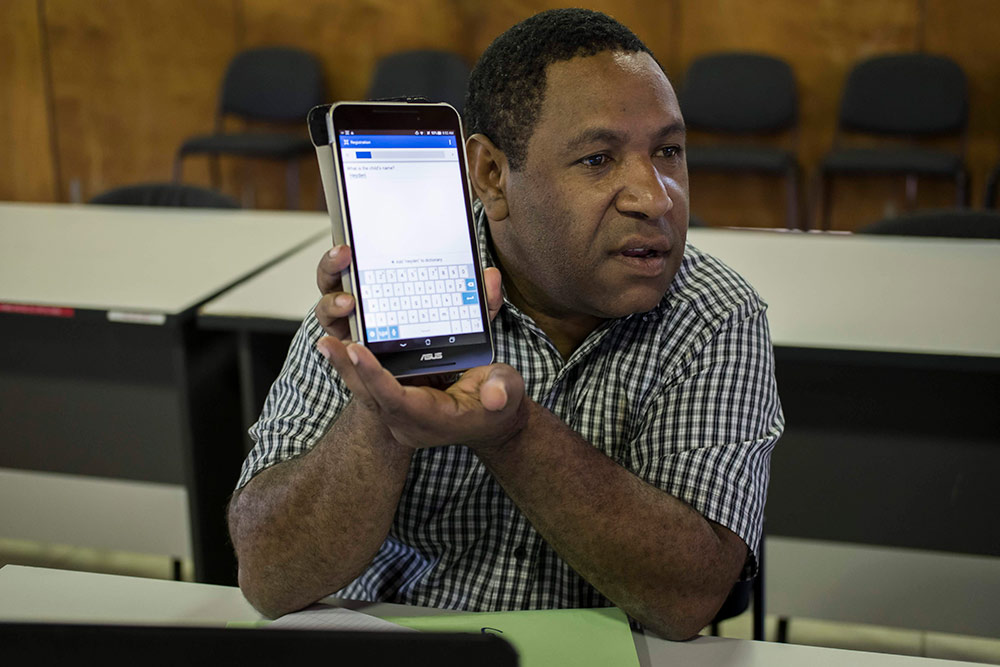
(598, 160)
(670, 151)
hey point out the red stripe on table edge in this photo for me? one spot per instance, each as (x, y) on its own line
(44, 311)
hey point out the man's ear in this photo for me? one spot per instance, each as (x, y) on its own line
(488, 174)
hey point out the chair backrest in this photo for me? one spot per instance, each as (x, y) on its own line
(992, 188)
(956, 223)
(272, 84)
(165, 194)
(739, 93)
(905, 94)
(440, 76)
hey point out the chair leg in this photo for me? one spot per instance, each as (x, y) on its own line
(248, 178)
(178, 166)
(792, 194)
(758, 596)
(992, 185)
(911, 192)
(782, 637)
(214, 171)
(962, 189)
(292, 184)
(824, 198)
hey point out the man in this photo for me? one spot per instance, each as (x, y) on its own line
(616, 453)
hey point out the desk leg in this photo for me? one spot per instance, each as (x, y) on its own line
(261, 357)
(206, 364)
(249, 408)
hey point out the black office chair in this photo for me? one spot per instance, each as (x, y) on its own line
(955, 223)
(743, 97)
(272, 85)
(992, 188)
(740, 598)
(439, 76)
(165, 194)
(907, 98)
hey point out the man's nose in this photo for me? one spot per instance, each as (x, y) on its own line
(644, 193)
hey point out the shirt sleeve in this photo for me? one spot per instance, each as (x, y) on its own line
(305, 399)
(714, 424)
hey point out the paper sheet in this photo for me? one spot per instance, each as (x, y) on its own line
(324, 617)
(547, 638)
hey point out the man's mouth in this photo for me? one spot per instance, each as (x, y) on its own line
(641, 253)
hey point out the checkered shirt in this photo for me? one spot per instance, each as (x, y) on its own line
(683, 396)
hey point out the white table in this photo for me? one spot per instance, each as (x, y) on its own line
(898, 314)
(36, 594)
(869, 293)
(825, 291)
(109, 394)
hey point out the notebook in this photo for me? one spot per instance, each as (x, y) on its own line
(153, 646)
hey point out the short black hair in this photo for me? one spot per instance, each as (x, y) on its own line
(507, 84)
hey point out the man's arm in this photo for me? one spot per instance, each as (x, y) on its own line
(307, 527)
(650, 553)
(647, 551)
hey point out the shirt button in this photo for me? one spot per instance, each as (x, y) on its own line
(520, 553)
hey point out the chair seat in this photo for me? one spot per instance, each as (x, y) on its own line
(740, 158)
(165, 194)
(903, 160)
(249, 144)
(955, 223)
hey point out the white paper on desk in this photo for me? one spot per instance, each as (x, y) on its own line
(324, 617)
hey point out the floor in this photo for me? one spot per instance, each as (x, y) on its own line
(800, 630)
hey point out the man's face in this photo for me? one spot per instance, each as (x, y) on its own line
(598, 211)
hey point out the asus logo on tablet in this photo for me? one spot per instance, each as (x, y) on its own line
(431, 356)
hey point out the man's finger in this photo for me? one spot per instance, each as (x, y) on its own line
(379, 382)
(493, 394)
(332, 311)
(502, 388)
(330, 265)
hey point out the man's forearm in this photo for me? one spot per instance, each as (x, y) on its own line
(647, 551)
(305, 528)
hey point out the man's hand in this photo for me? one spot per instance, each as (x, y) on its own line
(335, 305)
(484, 409)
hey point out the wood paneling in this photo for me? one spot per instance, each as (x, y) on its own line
(821, 40)
(131, 79)
(968, 32)
(27, 171)
(348, 36)
(650, 20)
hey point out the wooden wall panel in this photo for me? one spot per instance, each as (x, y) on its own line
(27, 172)
(649, 19)
(968, 31)
(131, 79)
(348, 36)
(820, 40)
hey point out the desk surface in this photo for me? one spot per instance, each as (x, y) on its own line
(284, 292)
(840, 292)
(137, 259)
(870, 293)
(38, 594)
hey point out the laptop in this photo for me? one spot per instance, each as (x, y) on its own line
(155, 646)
